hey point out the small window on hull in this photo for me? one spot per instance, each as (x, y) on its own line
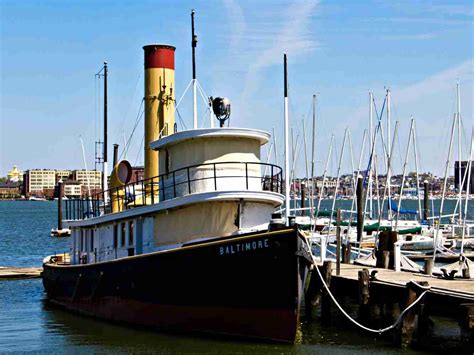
(122, 235)
(130, 233)
(115, 236)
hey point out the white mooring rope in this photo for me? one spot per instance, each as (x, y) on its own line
(379, 331)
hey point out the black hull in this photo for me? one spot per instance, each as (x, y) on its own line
(247, 286)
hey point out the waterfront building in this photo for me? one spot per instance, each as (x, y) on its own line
(72, 189)
(63, 175)
(10, 191)
(88, 178)
(40, 182)
(15, 174)
(327, 184)
(138, 174)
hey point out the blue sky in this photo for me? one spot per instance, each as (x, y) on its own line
(340, 50)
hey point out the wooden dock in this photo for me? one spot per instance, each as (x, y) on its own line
(380, 295)
(461, 290)
(15, 273)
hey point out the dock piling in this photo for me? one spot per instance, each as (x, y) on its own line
(325, 298)
(364, 282)
(426, 201)
(428, 263)
(360, 209)
(416, 319)
(346, 252)
(466, 322)
(60, 206)
(303, 198)
(311, 296)
(385, 251)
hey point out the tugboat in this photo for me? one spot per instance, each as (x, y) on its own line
(192, 246)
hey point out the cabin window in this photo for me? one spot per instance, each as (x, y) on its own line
(115, 236)
(81, 241)
(130, 233)
(92, 240)
(122, 235)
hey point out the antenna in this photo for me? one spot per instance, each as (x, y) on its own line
(193, 45)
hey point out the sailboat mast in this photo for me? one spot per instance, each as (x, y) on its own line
(389, 153)
(326, 166)
(417, 170)
(445, 182)
(338, 175)
(314, 137)
(287, 150)
(459, 152)
(400, 195)
(370, 147)
(468, 186)
(194, 44)
(104, 172)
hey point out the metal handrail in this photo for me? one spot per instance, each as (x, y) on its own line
(159, 188)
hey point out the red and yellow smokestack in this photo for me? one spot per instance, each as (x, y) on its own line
(159, 100)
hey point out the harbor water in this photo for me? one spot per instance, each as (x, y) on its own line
(29, 324)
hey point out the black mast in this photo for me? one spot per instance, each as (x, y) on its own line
(193, 44)
(105, 112)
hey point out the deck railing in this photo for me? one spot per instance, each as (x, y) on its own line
(219, 176)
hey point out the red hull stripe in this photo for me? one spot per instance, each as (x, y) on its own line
(159, 56)
(271, 324)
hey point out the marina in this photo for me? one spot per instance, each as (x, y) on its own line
(215, 224)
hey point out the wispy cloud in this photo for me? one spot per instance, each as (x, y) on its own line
(238, 24)
(259, 41)
(431, 101)
(409, 37)
(440, 82)
(452, 9)
(433, 85)
(294, 38)
(427, 10)
(445, 21)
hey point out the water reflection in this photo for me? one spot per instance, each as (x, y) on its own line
(88, 334)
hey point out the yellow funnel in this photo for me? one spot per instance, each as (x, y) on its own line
(159, 100)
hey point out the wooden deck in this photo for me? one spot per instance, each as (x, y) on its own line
(12, 273)
(459, 288)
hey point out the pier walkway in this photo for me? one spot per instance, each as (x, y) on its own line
(457, 289)
(11, 273)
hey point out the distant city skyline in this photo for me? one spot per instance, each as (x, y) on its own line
(50, 51)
